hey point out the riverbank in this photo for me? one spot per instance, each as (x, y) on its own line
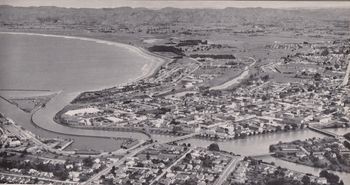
(148, 70)
(42, 117)
(306, 163)
(325, 153)
(302, 168)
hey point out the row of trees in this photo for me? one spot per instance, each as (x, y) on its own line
(332, 178)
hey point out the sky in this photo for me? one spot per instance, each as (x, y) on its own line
(157, 4)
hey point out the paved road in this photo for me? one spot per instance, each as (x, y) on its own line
(169, 168)
(347, 74)
(237, 79)
(230, 167)
(116, 164)
(130, 154)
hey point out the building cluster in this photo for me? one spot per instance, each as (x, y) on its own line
(327, 153)
(146, 166)
(70, 169)
(8, 179)
(200, 166)
(7, 139)
(251, 172)
(25, 159)
(297, 90)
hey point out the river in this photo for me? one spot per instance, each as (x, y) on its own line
(305, 169)
(259, 145)
(69, 65)
(72, 66)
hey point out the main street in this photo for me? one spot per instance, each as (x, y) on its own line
(169, 168)
(230, 167)
(117, 163)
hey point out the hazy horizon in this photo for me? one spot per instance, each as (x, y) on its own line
(158, 4)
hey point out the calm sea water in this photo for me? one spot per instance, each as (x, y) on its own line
(37, 62)
(67, 65)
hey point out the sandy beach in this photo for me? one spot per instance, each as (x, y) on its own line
(148, 69)
(43, 118)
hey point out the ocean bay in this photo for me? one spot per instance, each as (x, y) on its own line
(67, 65)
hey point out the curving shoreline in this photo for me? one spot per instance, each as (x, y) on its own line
(152, 64)
(147, 69)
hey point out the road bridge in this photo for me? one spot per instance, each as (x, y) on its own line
(261, 155)
(180, 138)
(324, 132)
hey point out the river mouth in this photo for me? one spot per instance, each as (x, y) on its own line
(70, 65)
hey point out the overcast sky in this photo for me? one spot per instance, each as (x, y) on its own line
(156, 4)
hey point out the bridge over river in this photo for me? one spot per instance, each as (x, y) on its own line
(324, 132)
(315, 129)
(261, 155)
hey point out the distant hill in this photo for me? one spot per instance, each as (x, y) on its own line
(136, 17)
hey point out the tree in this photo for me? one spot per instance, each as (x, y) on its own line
(62, 174)
(317, 76)
(265, 78)
(305, 180)
(347, 136)
(276, 182)
(264, 98)
(188, 158)
(325, 52)
(207, 162)
(272, 148)
(113, 170)
(213, 147)
(36, 180)
(191, 182)
(88, 162)
(331, 178)
(336, 66)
